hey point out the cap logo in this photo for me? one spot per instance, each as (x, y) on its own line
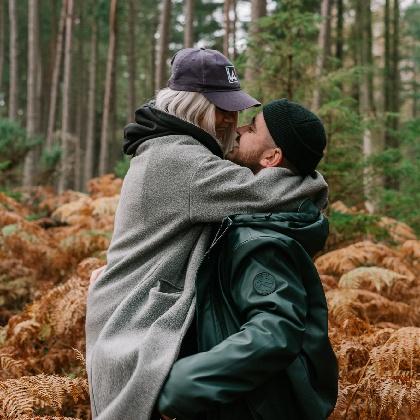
(231, 74)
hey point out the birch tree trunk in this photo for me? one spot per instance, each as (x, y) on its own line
(103, 156)
(165, 22)
(189, 23)
(258, 10)
(132, 59)
(322, 54)
(90, 130)
(56, 75)
(67, 155)
(13, 54)
(32, 81)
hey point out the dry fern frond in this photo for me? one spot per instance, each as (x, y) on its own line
(10, 366)
(380, 280)
(389, 386)
(328, 282)
(340, 207)
(352, 357)
(10, 205)
(20, 397)
(49, 418)
(105, 186)
(410, 250)
(50, 204)
(395, 263)
(361, 254)
(367, 306)
(399, 231)
(75, 212)
(80, 243)
(105, 206)
(44, 333)
(79, 356)
(399, 355)
(32, 245)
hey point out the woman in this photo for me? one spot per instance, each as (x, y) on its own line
(177, 187)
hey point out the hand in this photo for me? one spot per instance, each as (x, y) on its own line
(163, 417)
(95, 273)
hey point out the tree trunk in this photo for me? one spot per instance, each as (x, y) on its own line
(151, 75)
(233, 24)
(227, 26)
(366, 106)
(32, 80)
(1, 42)
(90, 131)
(415, 87)
(258, 10)
(391, 84)
(132, 59)
(13, 52)
(189, 23)
(56, 75)
(103, 156)
(165, 23)
(339, 33)
(323, 43)
(80, 102)
(66, 146)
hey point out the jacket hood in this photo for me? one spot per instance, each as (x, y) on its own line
(307, 225)
(152, 123)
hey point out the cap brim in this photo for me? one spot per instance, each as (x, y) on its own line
(231, 100)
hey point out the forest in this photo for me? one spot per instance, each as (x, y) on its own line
(72, 74)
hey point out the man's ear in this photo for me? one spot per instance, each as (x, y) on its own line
(271, 158)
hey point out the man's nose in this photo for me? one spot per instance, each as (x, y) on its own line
(241, 130)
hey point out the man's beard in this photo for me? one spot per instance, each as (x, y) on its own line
(249, 159)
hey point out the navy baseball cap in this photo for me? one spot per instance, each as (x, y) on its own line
(211, 73)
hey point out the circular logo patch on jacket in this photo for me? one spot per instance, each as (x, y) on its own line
(264, 283)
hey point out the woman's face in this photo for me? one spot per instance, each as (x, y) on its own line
(226, 123)
(225, 120)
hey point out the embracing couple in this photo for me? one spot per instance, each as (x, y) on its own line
(210, 306)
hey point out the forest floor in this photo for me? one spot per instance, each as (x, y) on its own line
(49, 245)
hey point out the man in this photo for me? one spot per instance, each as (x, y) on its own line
(263, 350)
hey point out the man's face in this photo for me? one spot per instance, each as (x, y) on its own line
(251, 143)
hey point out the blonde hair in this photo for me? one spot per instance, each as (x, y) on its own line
(196, 109)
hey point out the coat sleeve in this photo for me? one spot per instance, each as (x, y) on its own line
(219, 187)
(271, 299)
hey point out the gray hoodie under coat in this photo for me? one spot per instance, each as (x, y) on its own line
(141, 306)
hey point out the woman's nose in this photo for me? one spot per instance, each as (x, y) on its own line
(229, 117)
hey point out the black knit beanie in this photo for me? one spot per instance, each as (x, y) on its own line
(298, 132)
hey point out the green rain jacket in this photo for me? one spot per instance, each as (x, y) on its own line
(262, 325)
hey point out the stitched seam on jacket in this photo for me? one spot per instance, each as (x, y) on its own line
(254, 238)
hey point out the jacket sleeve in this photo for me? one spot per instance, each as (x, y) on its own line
(219, 187)
(271, 299)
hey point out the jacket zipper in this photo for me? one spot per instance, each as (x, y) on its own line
(217, 292)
